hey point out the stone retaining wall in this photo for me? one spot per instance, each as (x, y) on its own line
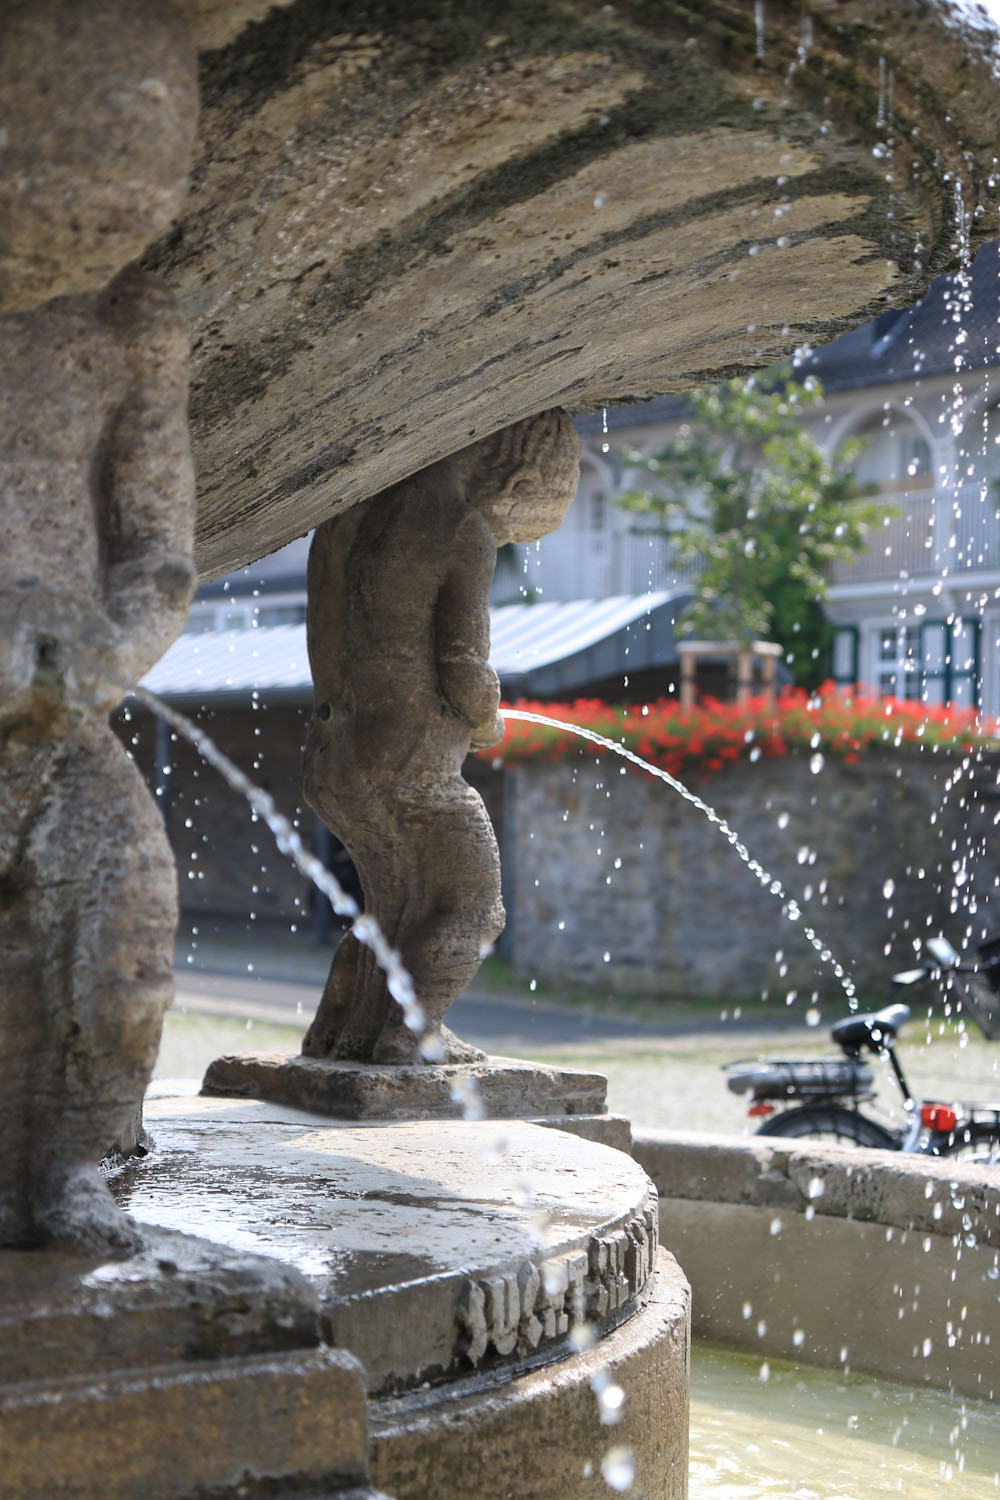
(868, 1260)
(614, 882)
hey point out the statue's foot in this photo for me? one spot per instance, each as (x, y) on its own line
(73, 1208)
(402, 1047)
(457, 1051)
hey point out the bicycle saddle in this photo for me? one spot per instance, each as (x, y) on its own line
(870, 1030)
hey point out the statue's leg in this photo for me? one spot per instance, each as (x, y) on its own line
(97, 895)
(370, 1001)
(454, 915)
(338, 1000)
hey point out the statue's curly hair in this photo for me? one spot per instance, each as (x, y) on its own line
(523, 477)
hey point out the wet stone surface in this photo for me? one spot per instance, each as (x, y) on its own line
(428, 1253)
(503, 1087)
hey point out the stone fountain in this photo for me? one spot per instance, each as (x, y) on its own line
(409, 242)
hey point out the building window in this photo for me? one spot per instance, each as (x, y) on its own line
(281, 614)
(845, 655)
(934, 662)
(899, 662)
(199, 621)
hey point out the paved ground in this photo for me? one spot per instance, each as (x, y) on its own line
(242, 995)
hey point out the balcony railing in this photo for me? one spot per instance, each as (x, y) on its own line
(925, 536)
(595, 564)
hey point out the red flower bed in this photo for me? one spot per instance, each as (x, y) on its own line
(703, 740)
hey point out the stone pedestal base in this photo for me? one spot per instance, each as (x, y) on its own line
(501, 1088)
(482, 1272)
(186, 1369)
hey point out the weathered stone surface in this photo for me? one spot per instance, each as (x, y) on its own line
(456, 217)
(96, 122)
(178, 1299)
(257, 1426)
(436, 1249)
(496, 1088)
(926, 1195)
(398, 628)
(188, 1369)
(540, 1436)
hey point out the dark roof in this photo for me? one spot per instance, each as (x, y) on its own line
(923, 340)
(900, 345)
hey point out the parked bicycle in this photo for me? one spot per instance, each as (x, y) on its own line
(822, 1097)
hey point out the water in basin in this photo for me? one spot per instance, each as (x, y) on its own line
(807, 1434)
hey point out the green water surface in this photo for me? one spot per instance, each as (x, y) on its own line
(773, 1429)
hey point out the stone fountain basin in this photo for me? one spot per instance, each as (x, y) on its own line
(411, 226)
(437, 1248)
(867, 1259)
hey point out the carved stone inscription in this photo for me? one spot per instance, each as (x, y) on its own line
(513, 1312)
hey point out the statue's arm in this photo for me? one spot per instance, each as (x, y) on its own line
(149, 497)
(466, 680)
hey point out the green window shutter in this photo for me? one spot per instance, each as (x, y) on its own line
(935, 661)
(845, 655)
(949, 662)
(966, 686)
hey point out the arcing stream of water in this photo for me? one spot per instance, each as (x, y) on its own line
(773, 886)
(287, 838)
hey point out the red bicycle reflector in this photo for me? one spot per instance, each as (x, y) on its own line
(938, 1117)
(761, 1108)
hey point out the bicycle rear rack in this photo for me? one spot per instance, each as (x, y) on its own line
(824, 1078)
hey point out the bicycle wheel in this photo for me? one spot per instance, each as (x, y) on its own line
(829, 1122)
(976, 1144)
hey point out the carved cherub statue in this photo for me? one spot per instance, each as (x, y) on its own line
(399, 636)
(97, 114)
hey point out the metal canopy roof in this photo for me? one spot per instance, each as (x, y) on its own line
(538, 650)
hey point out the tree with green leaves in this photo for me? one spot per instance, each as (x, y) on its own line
(749, 499)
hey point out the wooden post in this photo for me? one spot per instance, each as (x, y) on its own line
(744, 674)
(687, 679)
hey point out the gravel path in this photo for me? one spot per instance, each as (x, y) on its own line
(673, 1082)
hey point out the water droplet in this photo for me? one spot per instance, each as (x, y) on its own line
(783, 820)
(816, 763)
(816, 1187)
(582, 1336)
(888, 889)
(813, 1016)
(926, 1347)
(776, 1226)
(618, 1468)
(765, 1371)
(611, 1405)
